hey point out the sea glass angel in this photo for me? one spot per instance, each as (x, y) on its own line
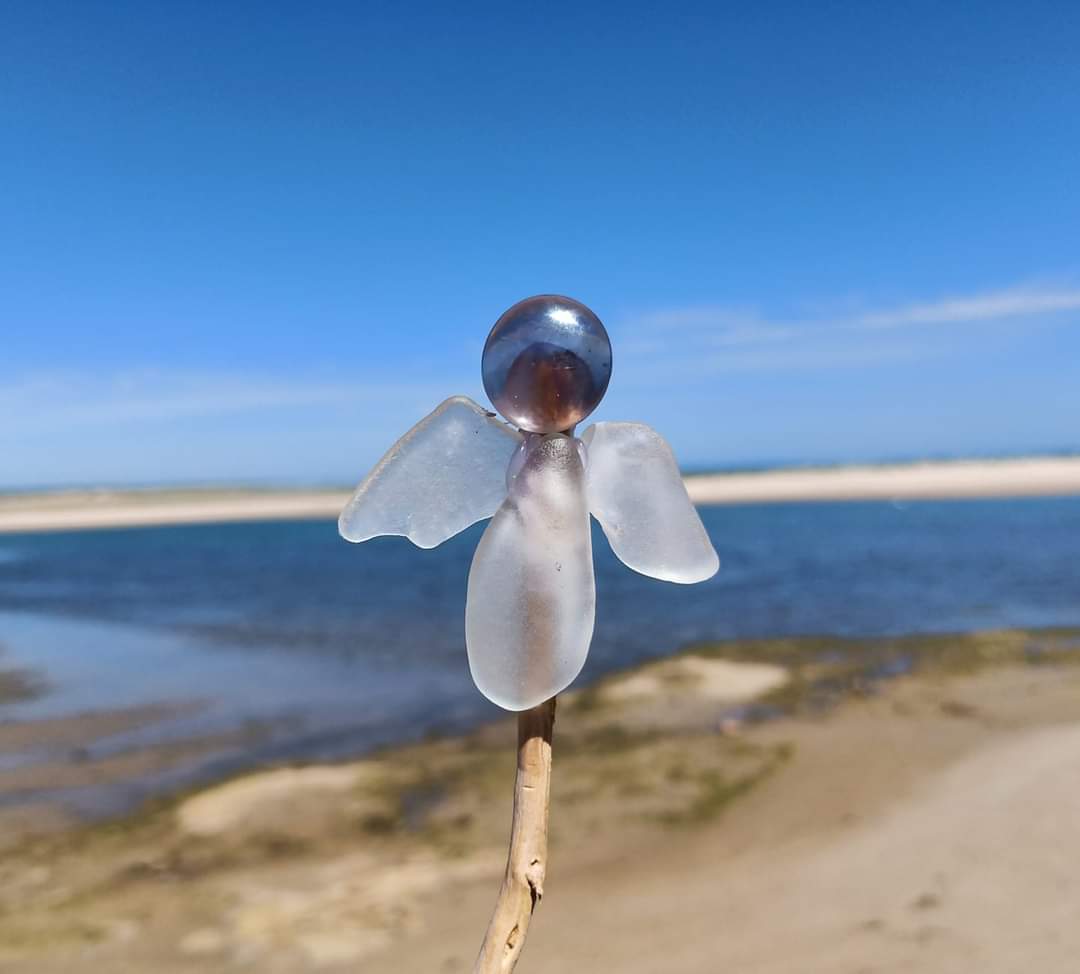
(531, 596)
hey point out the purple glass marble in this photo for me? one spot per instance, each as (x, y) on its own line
(547, 363)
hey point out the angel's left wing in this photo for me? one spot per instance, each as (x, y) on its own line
(447, 472)
(637, 494)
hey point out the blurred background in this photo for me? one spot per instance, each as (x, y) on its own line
(244, 247)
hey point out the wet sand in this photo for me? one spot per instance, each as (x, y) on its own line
(1028, 477)
(927, 821)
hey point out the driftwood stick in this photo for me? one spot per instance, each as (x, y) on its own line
(523, 884)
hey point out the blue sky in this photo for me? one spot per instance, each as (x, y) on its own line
(256, 241)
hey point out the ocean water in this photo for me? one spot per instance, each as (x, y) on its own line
(335, 648)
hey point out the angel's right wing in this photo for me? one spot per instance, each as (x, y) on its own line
(637, 494)
(447, 472)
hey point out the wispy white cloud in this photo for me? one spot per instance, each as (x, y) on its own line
(706, 339)
(1015, 303)
(687, 340)
(164, 426)
(47, 402)
(169, 424)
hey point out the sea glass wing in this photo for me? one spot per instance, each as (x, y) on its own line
(531, 602)
(447, 472)
(637, 494)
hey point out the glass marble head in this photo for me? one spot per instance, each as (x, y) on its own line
(547, 363)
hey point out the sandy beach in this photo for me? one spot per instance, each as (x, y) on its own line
(922, 822)
(1028, 477)
(87, 509)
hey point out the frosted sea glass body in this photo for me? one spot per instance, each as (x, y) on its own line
(637, 494)
(447, 472)
(547, 363)
(531, 599)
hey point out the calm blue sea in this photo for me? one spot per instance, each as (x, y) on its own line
(336, 648)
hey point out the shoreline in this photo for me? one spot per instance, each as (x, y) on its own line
(70, 510)
(95, 764)
(866, 819)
